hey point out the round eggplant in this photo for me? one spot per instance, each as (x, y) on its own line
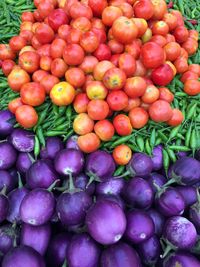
(188, 193)
(9, 237)
(52, 146)
(81, 181)
(113, 186)
(182, 259)
(24, 162)
(8, 156)
(72, 142)
(157, 158)
(22, 140)
(156, 181)
(7, 121)
(7, 180)
(158, 219)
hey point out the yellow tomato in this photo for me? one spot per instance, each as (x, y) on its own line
(96, 90)
(62, 94)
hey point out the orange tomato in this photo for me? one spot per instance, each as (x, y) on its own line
(14, 104)
(122, 154)
(83, 124)
(135, 87)
(96, 90)
(176, 119)
(138, 117)
(62, 94)
(104, 130)
(132, 103)
(122, 125)
(88, 143)
(17, 78)
(98, 109)
(151, 94)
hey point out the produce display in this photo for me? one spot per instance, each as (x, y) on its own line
(99, 133)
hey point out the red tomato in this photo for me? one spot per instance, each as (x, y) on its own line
(79, 9)
(190, 46)
(110, 14)
(97, 6)
(181, 34)
(63, 32)
(117, 100)
(127, 64)
(194, 34)
(170, 38)
(127, 9)
(171, 20)
(14, 104)
(159, 9)
(152, 55)
(114, 79)
(122, 154)
(103, 52)
(27, 35)
(57, 18)
(88, 143)
(162, 75)
(98, 109)
(115, 46)
(104, 130)
(160, 111)
(74, 36)
(39, 75)
(189, 75)
(172, 50)
(26, 25)
(82, 24)
(138, 117)
(35, 43)
(143, 9)
(166, 94)
(17, 78)
(44, 9)
(29, 61)
(26, 48)
(140, 69)
(124, 30)
(80, 103)
(192, 87)
(132, 103)
(101, 35)
(17, 43)
(89, 42)
(195, 68)
(177, 118)
(6, 52)
(88, 64)
(96, 90)
(151, 94)
(83, 124)
(98, 24)
(7, 66)
(101, 68)
(73, 54)
(27, 16)
(122, 125)
(45, 63)
(141, 25)
(160, 27)
(44, 33)
(115, 59)
(180, 21)
(32, 94)
(133, 49)
(58, 67)
(44, 50)
(181, 65)
(135, 87)
(37, 16)
(159, 39)
(26, 116)
(57, 47)
(48, 82)
(184, 53)
(75, 76)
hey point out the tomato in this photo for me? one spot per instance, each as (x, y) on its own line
(75, 76)
(159, 9)
(141, 25)
(74, 36)
(110, 34)
(62, 94)
(37, 16)
(104, 130)
(97, 6)
(127, 64)
(44, 9)
(115, 59)
(140, 69)
(151, 94)
(184, 53)
(89, 42)
(158, 39)
(117, 100)
(98, 109)
(79, 9)
(122, 154)
(7, 66)
(195, 68)
(103, 52)
(73, 54)
(80, 103)
(26, 116)
(14, 104)
(101, 68)
(29, 61)
(124, 30)
(162, 75)
(177, 118)
(39, 75)
(97, 23)
(27, 16)
(147, 36)
(192, 87)
(132, 103)
(44, 50)
(88, 78)
(181, 34)
(63, 32)
(114, 79)
(17, 43)
(26, 48)
(172, 67)
(189, 75)
(101, 35)
(115, 46)
(135, 87)
(181, 65)
(152, 55)
(32, 94)
(143, 9)
(88, 64)
(194, 34)
(17, 78)
(96, 90)
(172, 50)
(88, 143)
(138, 117)
(122, 125)
(127, 9)
(83, 124)
(166, 94)
(171, 20)
(170, 38)
(160, 27)
(35, 43)
(6, 52)
(160, 111)
(44, 33)
(26, 25)
(82, 24)
(45, 63)
(27, 36)
(57, 47)
(177, 13)
(48, 82)
(190, 46)
(57, 18)
(58, 67)
(110, 14)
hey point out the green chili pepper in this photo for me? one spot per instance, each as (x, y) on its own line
(153, 138)
(162, 136)
(166, 160)
(180, 148)
(174, 132)
(55, 133)
(119, 171)
(193, 143)
(40, 136)
(121, 140)
(148, 148)
(36, 147)
(191, 111)
(187, 136)
(140, 143)
(171, 154)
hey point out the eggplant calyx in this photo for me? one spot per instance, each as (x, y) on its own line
(64, 264)
(167, 249)
(52, 186)
(20, 184)
(71, 188)
(171, 181)
(31, 158)
(93, 177)
(3, 190)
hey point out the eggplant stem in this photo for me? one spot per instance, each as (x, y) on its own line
(171, 181)
(20, 184)
(3, 190)
(123, 175)
(31, 158)
(64, 264)
(198, 195)
(52, 186)
(166, 252)
(71, 183)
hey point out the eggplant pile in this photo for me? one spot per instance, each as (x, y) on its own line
(69, 209)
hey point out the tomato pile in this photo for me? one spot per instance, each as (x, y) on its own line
(111, 60)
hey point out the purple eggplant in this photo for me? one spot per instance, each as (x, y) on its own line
(24, 162)
(138, 193)
(106, 222)
(156, 180)
(181, 154)
(72, 142)
(150, 250)
(113, 186)
(115, 198)
(170, 202)
(7, 180)
(41, 174)
(83, 250)
(100, 165)
(57, 249)
(157, 157)
(188, 193)
(37, 207)
(23, 256)
(9, 237)
(140, 226)
(7, 121)
(120, 255)
(69, 162)
(8, 156)
(158, 219)
(182, 259)
(185, 171)
(194, 212)
(4, 205)
(36, 237)
(52, 146)
(81, 182)
(22, 140)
